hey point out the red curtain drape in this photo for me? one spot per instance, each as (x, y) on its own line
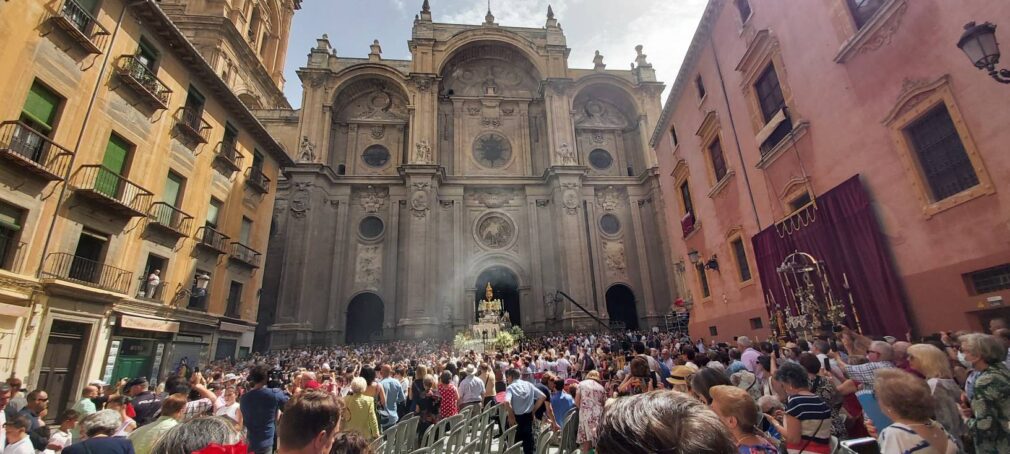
(845, 235)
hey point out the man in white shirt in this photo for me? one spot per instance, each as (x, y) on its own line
(16, 431)
(471, 388)
(561, 367)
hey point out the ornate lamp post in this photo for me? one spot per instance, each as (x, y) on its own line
(978, 42)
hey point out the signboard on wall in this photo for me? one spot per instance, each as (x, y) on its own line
(110, 363)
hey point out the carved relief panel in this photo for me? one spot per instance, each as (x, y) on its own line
(371, 126)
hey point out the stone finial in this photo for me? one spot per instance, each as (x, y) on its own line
(551, 21)
(375, 53)
(640, 59)
(489, 18)
(323, 43)
(425, 11)
(598, 62)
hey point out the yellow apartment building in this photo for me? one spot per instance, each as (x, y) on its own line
(136, 196)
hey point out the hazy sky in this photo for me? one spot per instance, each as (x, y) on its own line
(613, 27)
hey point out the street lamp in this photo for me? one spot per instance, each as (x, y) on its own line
(978, 42)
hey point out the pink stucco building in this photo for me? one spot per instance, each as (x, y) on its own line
(855, 131)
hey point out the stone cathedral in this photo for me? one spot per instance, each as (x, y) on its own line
(483, 159)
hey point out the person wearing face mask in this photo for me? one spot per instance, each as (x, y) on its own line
(988, 411)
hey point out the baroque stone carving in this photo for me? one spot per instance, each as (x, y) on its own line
(566, 155)
(372, 200)
(490, 122)
(423, 83)
(422, 154)
(419, 203)
(378, 131)
(370, 100)
(597, 137)
(613, 255)
(609, 199)
(494, 198)
(885, 33)
(570, 198)
(300, 199)
(368, 269)
(306, 151)
(472, 109)
(495, 231)
(595, 113)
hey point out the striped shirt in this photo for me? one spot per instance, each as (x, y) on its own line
(815, 422)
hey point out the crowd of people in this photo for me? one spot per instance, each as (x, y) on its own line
(632, 392)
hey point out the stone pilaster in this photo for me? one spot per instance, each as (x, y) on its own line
(422, 316)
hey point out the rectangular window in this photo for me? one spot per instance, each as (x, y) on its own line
(199, 290)
(174, 186)
(109, 179)
(246, 232)
(234, 299)
(147, 55)
(703, 281)
(87, 262)
(713, 331)
(756, 323)
(673, 135)
(257, 162)
(990, 279)
(718, 160)
(213, 212)
(799, 202)
(700, 85)
(230, 136)
(740, 254)
(942, 158)
(40, 109)
(743, 6)
(193, 112)
(150, 281)
(769, 93)
(10, 230)
(685, 195)
(864, 10)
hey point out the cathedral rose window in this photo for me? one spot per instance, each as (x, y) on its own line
(492, 150)
(600, 159)
(371, 227)
(375, 156)
(610, 224)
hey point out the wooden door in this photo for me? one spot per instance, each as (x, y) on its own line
(60, 364)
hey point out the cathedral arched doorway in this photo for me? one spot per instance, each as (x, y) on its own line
(364, 318)
(621, 306)
(505, 285)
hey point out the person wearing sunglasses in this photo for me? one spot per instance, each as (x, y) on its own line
(35, 412)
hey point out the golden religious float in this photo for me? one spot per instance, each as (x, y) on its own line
(491, 318)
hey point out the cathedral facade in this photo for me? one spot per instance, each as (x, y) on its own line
(482, 159)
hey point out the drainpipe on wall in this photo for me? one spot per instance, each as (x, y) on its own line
(66, 180)
(732, 125)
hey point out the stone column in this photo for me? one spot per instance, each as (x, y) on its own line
(560, 129)
(422, 317)
(424, 120)
(647, 296)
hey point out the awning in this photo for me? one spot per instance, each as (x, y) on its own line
(148, 324)
(11, 310)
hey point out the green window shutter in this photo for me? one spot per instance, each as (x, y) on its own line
(10, 217)
(41, 106)
(246, 231)
(115, 154)
(173, 187)
(212, 212)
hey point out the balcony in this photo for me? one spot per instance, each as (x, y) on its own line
(143, 81)
(154, 293)
(257, 180)
(81, 26)
(107, 188)
(190, 123)
(33, 152)
(80, 270)
(245, 254)
(169, 219)
(208, 238)
(229, 157)
(687, 224)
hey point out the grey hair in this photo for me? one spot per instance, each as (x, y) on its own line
(195, 434)
(105, 422)
(885, 350)
(770, 403)
(745, 341)
(988, 348)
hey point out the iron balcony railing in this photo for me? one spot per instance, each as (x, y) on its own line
(158, 293)
(245, 254)
(23, 146)
(142, 79)
(103, 184)
(12, 253)
(208, 237)
(191, 123)
(72, 268)
(257, 179)
(81, 26)
(170, 217)
(229, 156)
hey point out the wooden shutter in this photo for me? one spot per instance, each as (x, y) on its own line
(173, 186)
(40, 106)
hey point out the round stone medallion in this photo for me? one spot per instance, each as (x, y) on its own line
(492, 150)
(495, 231)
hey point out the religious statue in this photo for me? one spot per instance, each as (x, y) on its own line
(423, 154)
(307, 150)
(566, 155)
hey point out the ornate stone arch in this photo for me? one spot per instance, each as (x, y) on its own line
(464, 39)
(355, 73)
(493, 259)
(607, 117)
(606, 79)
